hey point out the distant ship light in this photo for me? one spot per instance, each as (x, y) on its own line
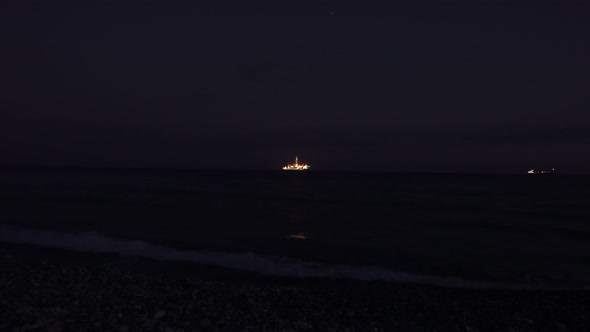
(542, 171)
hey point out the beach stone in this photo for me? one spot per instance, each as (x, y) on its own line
(56, 327)
(159, 314)
(34, 326)
(205, 323)
(24, 310)
(561, 326)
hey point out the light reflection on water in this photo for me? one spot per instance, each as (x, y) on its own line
(299, 236)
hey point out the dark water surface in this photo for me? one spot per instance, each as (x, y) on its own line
(480, 227)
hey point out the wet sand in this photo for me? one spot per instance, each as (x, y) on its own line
(56, 290)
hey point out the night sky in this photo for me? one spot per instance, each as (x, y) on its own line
(455, 87)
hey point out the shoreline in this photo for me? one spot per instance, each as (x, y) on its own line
(91, 246)
(33, 254)
(59, 290)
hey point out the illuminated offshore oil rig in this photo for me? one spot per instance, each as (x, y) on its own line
(296, 167)
(542, 171)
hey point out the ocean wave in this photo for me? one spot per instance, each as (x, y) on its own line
(94, 242)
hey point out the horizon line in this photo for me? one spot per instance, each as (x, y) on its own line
(315, 170)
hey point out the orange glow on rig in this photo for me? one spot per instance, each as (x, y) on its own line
(296, 167)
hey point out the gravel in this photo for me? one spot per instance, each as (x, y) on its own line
(46, 293)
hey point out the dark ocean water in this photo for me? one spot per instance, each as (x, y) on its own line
(423, 227)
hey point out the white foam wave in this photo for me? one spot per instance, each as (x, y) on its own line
(266, 265)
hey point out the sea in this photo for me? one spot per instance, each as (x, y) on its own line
(453, 230)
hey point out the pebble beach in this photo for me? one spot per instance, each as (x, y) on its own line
(47, 290)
